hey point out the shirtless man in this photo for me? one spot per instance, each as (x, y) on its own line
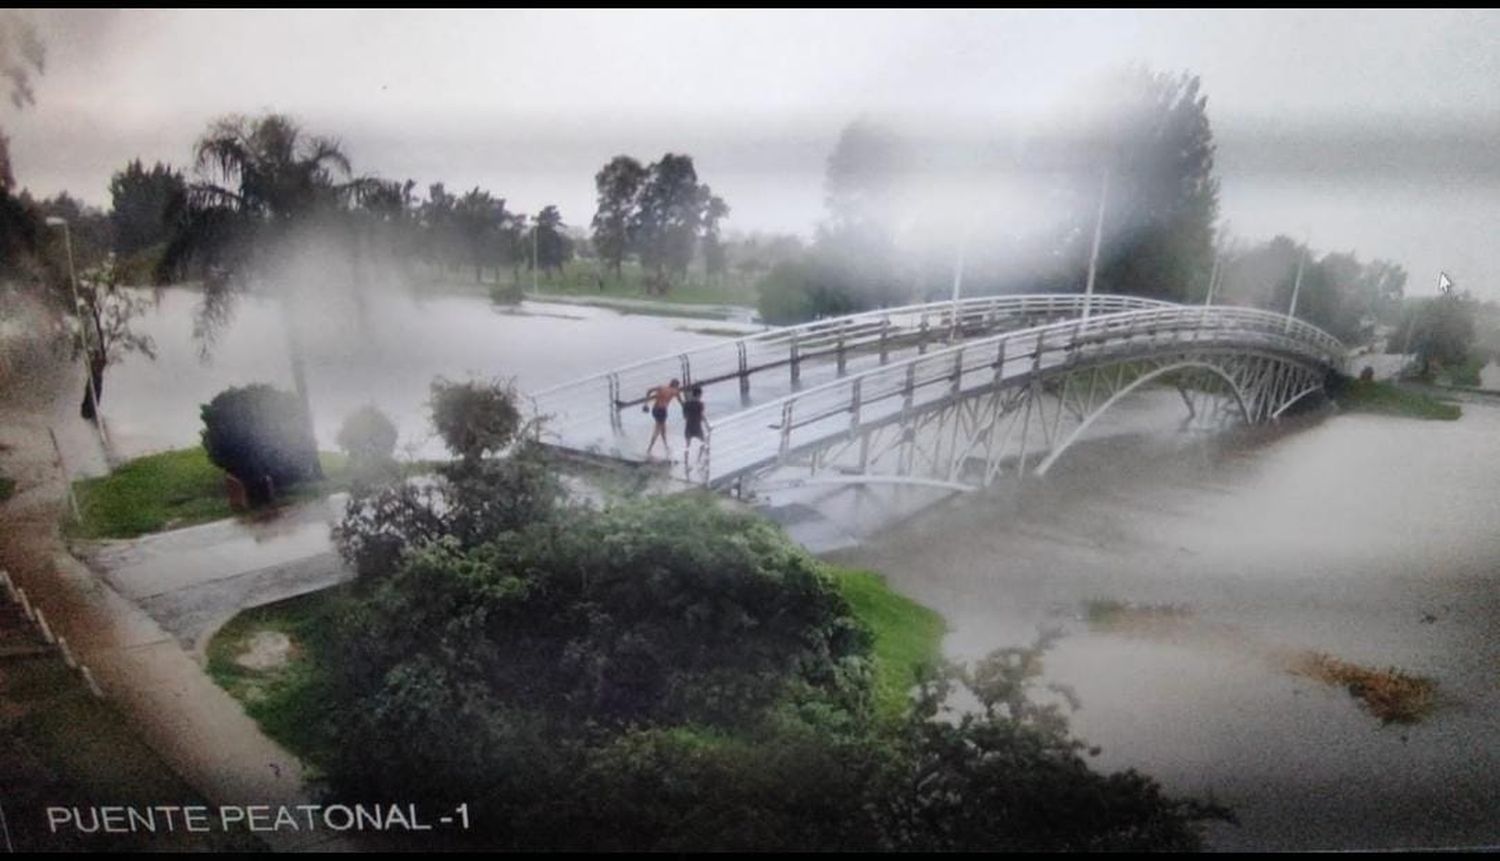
(660, 397)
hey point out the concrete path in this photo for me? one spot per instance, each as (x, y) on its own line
(197, 728)
(191, 581)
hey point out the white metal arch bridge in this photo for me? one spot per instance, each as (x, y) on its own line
(946, 394)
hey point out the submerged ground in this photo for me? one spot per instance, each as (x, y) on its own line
(1368, 539)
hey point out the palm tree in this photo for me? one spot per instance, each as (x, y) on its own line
(263, 183)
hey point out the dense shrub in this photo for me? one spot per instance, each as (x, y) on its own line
(262, 437)
(475, 418)
(667, 675)
(797, 291)
(369, 438)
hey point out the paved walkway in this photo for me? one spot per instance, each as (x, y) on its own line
(192, 581)
(197, 728)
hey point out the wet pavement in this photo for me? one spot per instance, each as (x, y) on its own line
(192, 581)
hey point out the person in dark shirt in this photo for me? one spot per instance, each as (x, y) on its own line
(696, 422)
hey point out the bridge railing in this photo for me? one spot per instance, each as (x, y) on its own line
(765, 433)
(586, 402)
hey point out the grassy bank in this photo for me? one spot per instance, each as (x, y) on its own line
(287, 700)
(1370, 396)
(906, 634)
(61, 746)
(290, 703)
(590, 278)
(172, 490)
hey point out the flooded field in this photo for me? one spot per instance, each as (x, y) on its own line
(386, 353)
(1370, 541)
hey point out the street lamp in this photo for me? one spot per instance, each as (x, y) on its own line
(1088, 290)
(88, 368)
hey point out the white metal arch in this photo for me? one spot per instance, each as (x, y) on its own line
(1234, 388)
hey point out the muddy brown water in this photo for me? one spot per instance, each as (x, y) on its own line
(1373, 539)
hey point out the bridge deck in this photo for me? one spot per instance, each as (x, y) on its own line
(605, 414)
(774, 396)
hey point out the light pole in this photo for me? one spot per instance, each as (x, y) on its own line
(88, 360)
(958, 283)
(1088, 290)
(1296, 288)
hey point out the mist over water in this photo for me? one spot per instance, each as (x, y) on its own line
(385, 351)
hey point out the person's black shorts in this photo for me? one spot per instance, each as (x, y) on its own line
(659, 413)
(693, 433)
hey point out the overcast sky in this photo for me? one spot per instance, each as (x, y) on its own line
(1376, 132)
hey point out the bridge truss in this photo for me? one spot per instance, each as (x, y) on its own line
(1013, 403)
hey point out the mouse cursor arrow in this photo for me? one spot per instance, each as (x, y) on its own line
(1445, 284)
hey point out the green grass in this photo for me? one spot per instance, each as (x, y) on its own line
(1370, 396)
(172, 490)
(288, 701)
(61, 746)
(906, 635)
(582, 278)
(1466, 374)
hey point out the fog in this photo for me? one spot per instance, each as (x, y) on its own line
(1365, 131)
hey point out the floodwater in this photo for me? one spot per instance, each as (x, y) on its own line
(1375, 540)
(385, 352)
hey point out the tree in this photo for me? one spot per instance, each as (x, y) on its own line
(669, 217)
(553, 246)
(107, 313)
(715, 260)
(1440, 330)
(478, 219)
(144, 203)
(265, 187)
(21, 53)
(618, 184)
(1150, 136)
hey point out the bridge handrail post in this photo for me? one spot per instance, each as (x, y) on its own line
(839, 344)
(1000, 361)
(854, 406)
(795, 357)
(885, 328)
(922, 336)
(786, 428)
(744, 368)
(614, 402)
(687, 369)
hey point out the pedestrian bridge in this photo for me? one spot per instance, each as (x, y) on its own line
(946, 394)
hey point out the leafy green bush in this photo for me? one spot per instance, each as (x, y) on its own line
(475, 418)
(368, 437)
(668, 675)
(798, 291)
(262, 437)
